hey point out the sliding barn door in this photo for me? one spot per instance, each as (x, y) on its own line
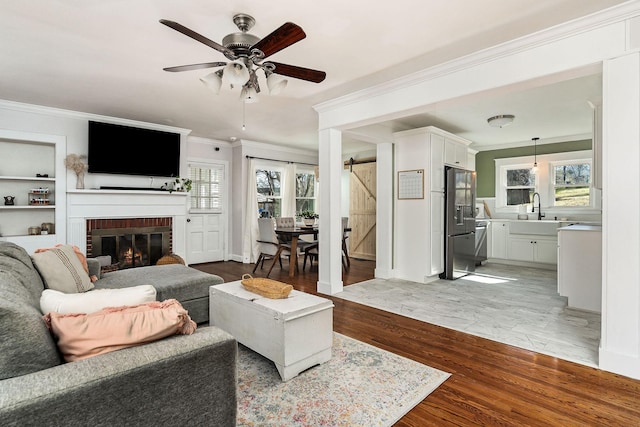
(362, 211)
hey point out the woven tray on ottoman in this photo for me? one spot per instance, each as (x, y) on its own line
(266, 287)
(170, 259)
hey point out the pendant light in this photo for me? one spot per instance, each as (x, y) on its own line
(535, 153)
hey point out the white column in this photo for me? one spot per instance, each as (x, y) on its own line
(330, 236)
(620, 339)
(384, 210)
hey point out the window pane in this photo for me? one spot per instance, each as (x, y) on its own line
(305, 205)
(268, 182)
(305, 183)
(206, 189)
(572, 196)
(519, 196)
(269, 208)
(520, 177)
(575, 174)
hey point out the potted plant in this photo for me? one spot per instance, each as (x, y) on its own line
(308, 217)
(178, 184)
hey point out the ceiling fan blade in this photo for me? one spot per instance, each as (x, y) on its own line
(199, 37)
(288, 34)
(195, 66)
(308, 74)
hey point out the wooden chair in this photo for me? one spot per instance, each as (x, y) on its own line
(346, 262)
(303, 245)
(269, 243)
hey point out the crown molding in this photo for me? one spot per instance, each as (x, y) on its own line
(78, 115)
(542, 141)
(561, 31)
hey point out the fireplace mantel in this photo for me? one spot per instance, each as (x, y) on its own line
(91, 204)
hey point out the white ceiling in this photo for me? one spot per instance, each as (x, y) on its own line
(106, 57)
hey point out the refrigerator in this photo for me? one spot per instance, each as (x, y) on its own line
(460, 223)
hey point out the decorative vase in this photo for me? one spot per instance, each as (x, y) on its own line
(80, 180)
(309, 221)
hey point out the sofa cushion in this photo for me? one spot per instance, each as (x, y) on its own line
(26, 345)
(171, 281)
(86, 335)
(95, 299)
(61, 269)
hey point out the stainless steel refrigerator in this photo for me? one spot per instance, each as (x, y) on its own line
(460, 223)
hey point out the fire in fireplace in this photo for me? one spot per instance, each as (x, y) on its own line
(132, 246)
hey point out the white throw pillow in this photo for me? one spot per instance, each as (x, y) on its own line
(95, 300)
(61, 269)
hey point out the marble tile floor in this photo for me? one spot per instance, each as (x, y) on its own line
(514, 305)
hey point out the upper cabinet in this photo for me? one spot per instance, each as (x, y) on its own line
(33, 182)
(456, 152)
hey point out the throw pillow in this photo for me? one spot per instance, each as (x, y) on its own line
(61, 270)
(81, 258)
(95, 299)
(81, 336)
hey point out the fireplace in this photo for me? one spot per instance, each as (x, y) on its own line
(131, 242)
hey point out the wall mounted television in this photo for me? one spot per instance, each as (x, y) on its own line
(118, 149)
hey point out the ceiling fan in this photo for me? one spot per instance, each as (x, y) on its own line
(246, 53)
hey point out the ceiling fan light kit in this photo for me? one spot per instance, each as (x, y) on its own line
(501, 120)
(246, 53)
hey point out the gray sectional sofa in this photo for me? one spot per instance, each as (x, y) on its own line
(176, 381)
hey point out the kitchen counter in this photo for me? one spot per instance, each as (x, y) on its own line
(581, 227)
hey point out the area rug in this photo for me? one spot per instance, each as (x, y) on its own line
(361, 385)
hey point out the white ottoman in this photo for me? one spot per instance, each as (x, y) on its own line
(295, 333)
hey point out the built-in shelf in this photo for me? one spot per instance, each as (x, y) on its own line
(28, 207)
(26, 178)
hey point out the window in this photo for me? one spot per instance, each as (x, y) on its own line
(207, 188)
(563, 181)
(305, 191)
(269, 194)
(571, 184)
(521, 184)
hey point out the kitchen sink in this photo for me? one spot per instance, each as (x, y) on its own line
(545, 228)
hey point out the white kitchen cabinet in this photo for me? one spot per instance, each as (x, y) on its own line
(437, 161)
(533, 248)
(455, 153)
(437, 232)
(580, 266)
(419, 222)
(499, 233)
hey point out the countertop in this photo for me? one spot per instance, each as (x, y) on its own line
(581, 227)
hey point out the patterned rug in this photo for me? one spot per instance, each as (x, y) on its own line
(360, 386)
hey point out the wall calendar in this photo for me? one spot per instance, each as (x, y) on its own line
(411, 184)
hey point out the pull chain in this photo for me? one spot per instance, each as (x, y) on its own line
(244, 104)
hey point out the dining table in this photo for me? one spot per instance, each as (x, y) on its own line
(292, 234)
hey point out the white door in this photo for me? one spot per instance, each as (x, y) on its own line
(205, 238)
(207, 218)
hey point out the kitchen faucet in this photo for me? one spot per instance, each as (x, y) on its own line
(533, 206)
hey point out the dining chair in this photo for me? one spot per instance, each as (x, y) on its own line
(346, 262)
(303, 244)
(269, 243)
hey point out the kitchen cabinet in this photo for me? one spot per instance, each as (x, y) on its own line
(437, 232)
(499, 233)
(533, 248)
(455, 153)
(419, 222)
(28, 166)
(580, 266)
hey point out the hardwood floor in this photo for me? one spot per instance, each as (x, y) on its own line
(491, 383)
